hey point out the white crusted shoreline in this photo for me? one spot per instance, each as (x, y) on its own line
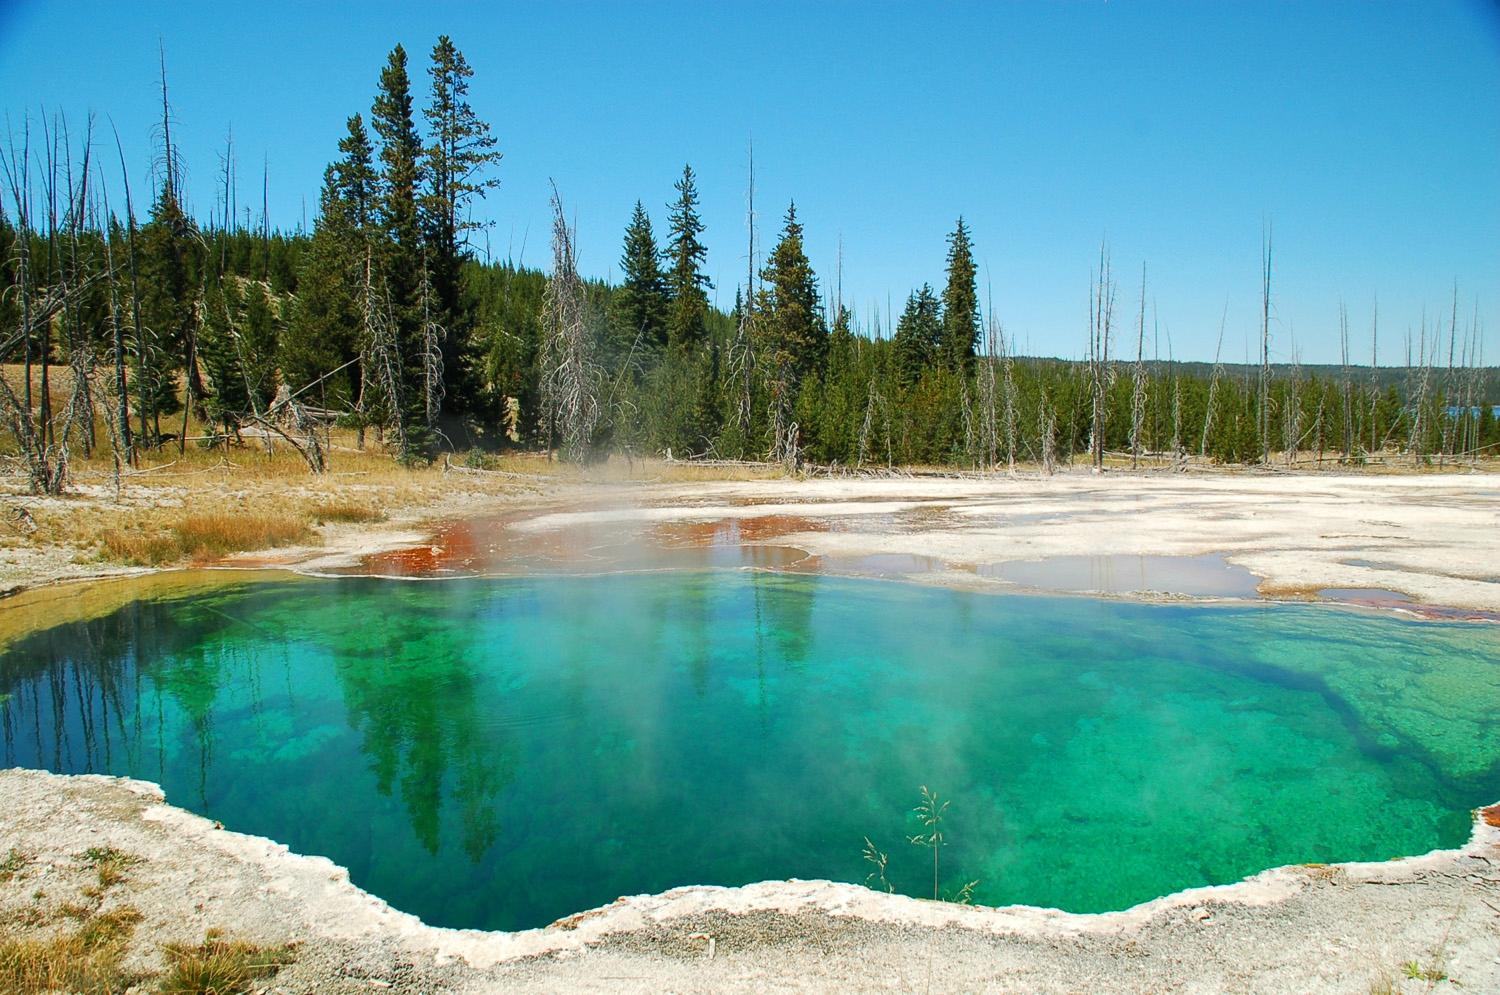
(196, 875)
(1433, 538)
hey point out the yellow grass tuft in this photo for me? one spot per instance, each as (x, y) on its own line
(207, 536)
(219, 966)
(220, 533)
(140, 550)
(345, 510)
(86, 960)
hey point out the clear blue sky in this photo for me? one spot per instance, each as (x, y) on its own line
(1367, 134)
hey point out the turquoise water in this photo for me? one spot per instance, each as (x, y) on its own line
(498, 754)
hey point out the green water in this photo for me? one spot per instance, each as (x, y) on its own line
(501, 753)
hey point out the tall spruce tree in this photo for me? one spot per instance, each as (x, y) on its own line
(960, 302)
(229, 401)
(169, 281)
(355, 182)
(404, 272)
(687, 319)
(260, 331)
(919, 337)
(460, 149)
(641, 301)
(323, 334)
(792, 324)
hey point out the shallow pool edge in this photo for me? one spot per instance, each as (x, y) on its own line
(336, 908)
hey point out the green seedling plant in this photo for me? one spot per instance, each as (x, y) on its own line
(930, 812)
(880, 861)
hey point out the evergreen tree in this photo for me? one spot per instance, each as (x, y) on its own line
(960, 303)
(354, 179)
(323, 334)
(641, 301)
(403, 262)
(919, 336)
(687, 320)
(229, 401)
(169, 283)
(259, 329)
(461, 148)
(791, 319)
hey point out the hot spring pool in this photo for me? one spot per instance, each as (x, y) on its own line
(499, 753)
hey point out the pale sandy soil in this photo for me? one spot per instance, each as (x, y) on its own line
(1434, 538)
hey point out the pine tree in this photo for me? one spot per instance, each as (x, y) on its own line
(355, 182)
(687, 320)
(960, 303)
(229, 402)
(919, 336)
(792, 319)
(322, 335)
(169, 295)
(260, 328)
(461, 148)
(403, 266)
(641, 301)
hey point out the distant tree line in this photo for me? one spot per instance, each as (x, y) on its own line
(384, 318)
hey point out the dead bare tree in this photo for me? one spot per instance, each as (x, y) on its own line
(1047, 428)
(570, 378)
(1138, 382)
(742, 349)
(875, 406)
(1448, 439)
(1415, 440)
(432, 354)
(786, 434)
(1374, 375)
(1008, 368)
(1471, 366)
(1213, 384)
(1291, 414)
(1265, 349)
(44, 300)
(989, 428)
(1101, 318)
(1347, 384)
(1178, 453)
(285, 407)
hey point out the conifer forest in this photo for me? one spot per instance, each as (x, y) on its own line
(128, 326)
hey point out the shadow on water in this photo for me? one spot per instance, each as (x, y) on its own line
(498, 753)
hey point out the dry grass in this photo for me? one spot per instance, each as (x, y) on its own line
(345, 510)
(201, 537)
(200, 504)
(220, 533)
(219, 966)
(51, 946)
(87, 960)
(90, 959)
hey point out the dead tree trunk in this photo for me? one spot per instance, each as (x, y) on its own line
(1101, 317)
(1265, 351)
(569, 375)
(1138, 382)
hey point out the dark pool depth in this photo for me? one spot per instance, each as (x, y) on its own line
(499, 753)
